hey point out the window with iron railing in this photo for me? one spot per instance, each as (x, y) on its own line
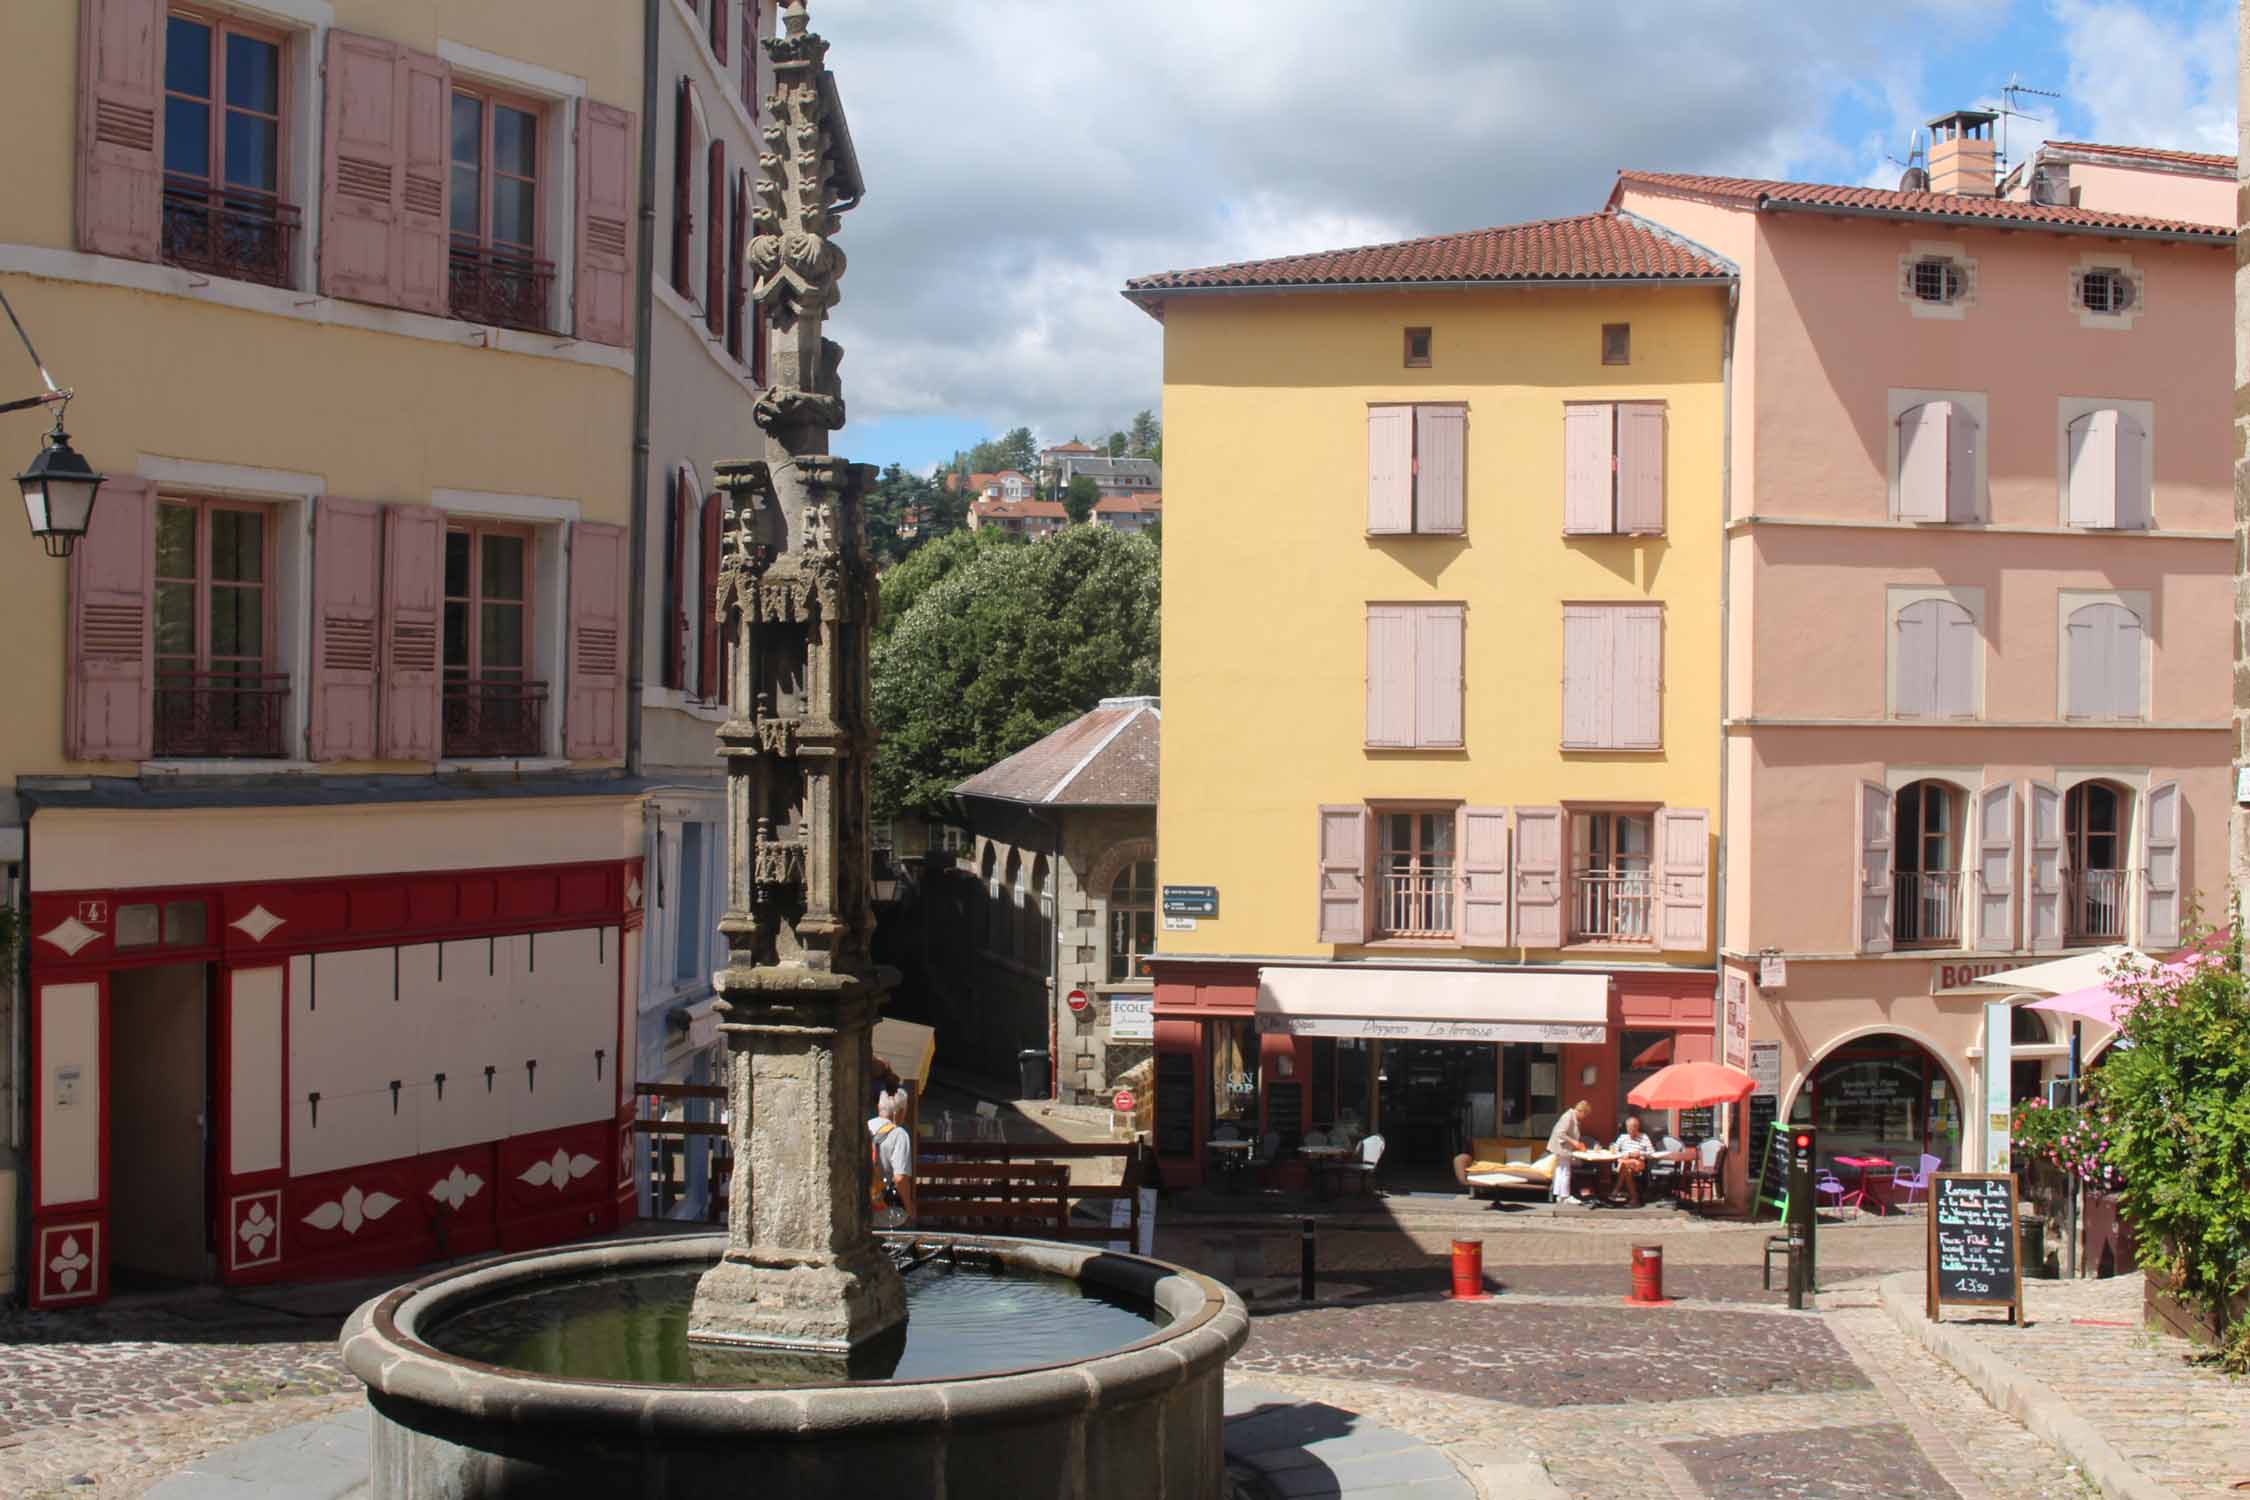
(2096, 883)
(1612, 886)
(1926, 868)
(215, 694)
(223, 213)
(1415, 875)
(491, 704)
(495, 273)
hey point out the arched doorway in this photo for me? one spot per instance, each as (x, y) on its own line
(1882, 1095)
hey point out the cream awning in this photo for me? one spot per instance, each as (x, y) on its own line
(908, 1046)
(1434, 1005)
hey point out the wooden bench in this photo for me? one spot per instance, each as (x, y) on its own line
(1044, 1214)
(676, 1138)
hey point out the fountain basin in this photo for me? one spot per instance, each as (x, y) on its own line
(1138, 1421)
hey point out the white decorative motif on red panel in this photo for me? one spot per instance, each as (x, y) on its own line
(557, 1171)
(257, 1230)
(70, 935)
(257, 923)
(350, 1211)
(456, 1188)
(632, 893)
(70, 1261)
(625, 1155)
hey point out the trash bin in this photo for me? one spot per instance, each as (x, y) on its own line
(1032, 1064)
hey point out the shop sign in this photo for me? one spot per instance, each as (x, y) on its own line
(1123, 1103)
(1956, 976)
(1395, 1029)
(1999, 1078)
(1765, 1067)
(1736, 1032)
(1773, 971)
(1077, 1002)
(1132, 1018)
(1191, 901)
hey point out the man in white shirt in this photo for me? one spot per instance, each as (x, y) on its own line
(1563, 1142)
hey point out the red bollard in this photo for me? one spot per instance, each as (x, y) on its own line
(1648, 1277)
(1468, 1271)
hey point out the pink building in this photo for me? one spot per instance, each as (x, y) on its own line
(1979, 513)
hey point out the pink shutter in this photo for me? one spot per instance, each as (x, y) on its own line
(2123, 659)
(413, 610)
(594, 710)
(110, 665)
(1390, 470)
(1481, 834)
(347, 600)
(1872, 885)
(2134, 507)
(2042, 869)
(1914, 636)
(1996, 865)
(1960, 465)
(2093, 469)
(1589, 650)
(1440, 458)
(424, 235)
(1390, 676)
(1640, 467)
(1637, 670)
(2085, 650)
(719, 30)
(1539, 877)
(1589, 468)
(715, 243)
(363, 147)
(604, 285)
(1957, 648)
(683, 188)
(751, 31)
(707, 684)
(1922, 445)
(1683, 878)
(120, 127)
(2160, 869)
(1343, 875)
(1437, 676)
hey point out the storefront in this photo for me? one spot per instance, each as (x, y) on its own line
(1430, 1058)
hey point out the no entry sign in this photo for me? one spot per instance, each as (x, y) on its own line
(1123, 1103)
(1077, 1002)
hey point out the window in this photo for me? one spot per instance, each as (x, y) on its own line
(1613, 889)
(2106, 479)
(491, 706)
(1934, 658)
(1414, 676)
(1926, 872)
(1234, 1073)
(495, 273)
(2107, 291)
(690, 924)
(170, 924)
(1415, 469)
(995, 903)
(1414, 874)
(1613, 676)
(1132, 920)
(1617, 343)
(1934, 278)
(1039, 910)
(1935, 462)
(1417, 348)
(215, 631)
(2103, 647)
(1613, 468)
(223, 111)
(2094, 874)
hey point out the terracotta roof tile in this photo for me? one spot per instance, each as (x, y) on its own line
(2200, 159)
(1586, 247)
(1103, 758)
(1759, 191)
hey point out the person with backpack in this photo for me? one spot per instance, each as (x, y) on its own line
(892, 1147)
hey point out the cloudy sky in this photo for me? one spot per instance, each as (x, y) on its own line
(1024, 157)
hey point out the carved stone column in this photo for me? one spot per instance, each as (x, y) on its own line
(796, 603)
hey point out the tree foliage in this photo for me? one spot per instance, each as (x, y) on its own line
(927, 566)
(1016, 449)
(1081, 498)
(994, 644)
(1142, 438)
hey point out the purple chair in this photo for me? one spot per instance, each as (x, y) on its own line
(1829, 1186)
(1915, 1182)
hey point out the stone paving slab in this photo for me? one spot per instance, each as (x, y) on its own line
(1306, 1450)
(1875, 1462)
(322, 1460)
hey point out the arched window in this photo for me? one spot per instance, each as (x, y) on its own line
(1011, 905)
(1132, 919)
(1039, 928)
(2095, 878)
(1926, 866)
(2102, 662)
(1934, 660)
(995, 907)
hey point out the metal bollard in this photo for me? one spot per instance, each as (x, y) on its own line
(1304, 1260)
(1800, 1272)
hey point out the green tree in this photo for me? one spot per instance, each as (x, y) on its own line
(1009, 642)
(1081, 498)
(1145, 433)
(925, 567)
(1116, 444)
(1019, 451)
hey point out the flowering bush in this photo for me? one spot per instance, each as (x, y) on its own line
(2074, 1140)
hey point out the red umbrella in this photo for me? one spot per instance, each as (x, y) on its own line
(1691, 1085)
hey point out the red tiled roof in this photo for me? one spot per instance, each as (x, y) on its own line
(1105, 757)
(1146, 500)
(1817, 195)
(2199, 159)
(1585, 247)
(1032, 508)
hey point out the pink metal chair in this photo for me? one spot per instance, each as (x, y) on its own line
(1828, 1185)
(1910, 1183)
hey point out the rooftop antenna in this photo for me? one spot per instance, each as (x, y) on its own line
(1914, 172)
(2012, 93)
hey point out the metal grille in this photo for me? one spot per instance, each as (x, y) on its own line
(1937, 280)
(1417, 899)
(236, 233)
(493, 718)
(220, 713)
(500, 287)
(2097, 905)
(1613, 906)
(1926, 909)
(2106, 291)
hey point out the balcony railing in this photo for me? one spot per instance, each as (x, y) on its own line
(1416, 902)
(1926, 909)
(231, 232)
(2097, 906)
(490, 285)
(485, 718)
(1613, 906)
(215, 714)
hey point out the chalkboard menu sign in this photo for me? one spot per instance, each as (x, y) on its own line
(1974, 1257)
(1285, 1111)
(1175, 1104)
(1764, 1110)
(1695, 1126)
(1772, 1186)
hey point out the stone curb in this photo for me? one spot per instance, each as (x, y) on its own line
(2021, 1396)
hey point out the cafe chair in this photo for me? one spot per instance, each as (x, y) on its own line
(1828, 1185)
(1668, 1171)
(1706, 1175)
(1910, 1183)
(1370, 1157)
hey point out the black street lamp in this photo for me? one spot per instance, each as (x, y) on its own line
(59, 487)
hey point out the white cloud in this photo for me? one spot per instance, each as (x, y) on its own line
(2148, 79)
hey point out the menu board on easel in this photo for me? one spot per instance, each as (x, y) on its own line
(1975, 1259)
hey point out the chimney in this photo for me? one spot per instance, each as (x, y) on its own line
(1961, 159)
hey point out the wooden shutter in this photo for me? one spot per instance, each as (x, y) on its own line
(593, 711)
(2093, 469)
(1390, 675)
(1957, 646)
(1996, 865)
(2135, 506)
(1914, 637)
(2042, 868)
(2160, 868)
(1440, 443)
(707, 685)
(1637, 672)
(1922, 458)
(1539, 877)
(120, 186)
(1589, 468)
(1640, 467)
(1390, 470)
(719, 30)
(413, 631)
(109, 665)
(715, 243)
(738, 221)
(751, 32)
(2103, 646)
(1437, 676)
(425, 235)
(1960, 464)
(1589, 651)
(383, 231)
(683, 188)
(1683, 875)
(1872, 885)
(1343, 874)
(603, 293)
(676, 585)
(347, 606)
(1481, 836)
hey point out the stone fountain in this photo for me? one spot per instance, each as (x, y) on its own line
(791, 1352)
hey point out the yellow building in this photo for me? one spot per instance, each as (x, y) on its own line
(1440, 767)
(310, 770)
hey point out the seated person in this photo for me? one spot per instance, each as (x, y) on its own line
(1634, 1151)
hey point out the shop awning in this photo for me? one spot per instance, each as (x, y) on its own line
(908, 1046)
(1433, 1005)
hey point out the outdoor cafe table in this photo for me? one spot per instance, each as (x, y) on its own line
(1321, 1158)
(1875, 1174)
(1231, 1157)
(1605, 1169)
